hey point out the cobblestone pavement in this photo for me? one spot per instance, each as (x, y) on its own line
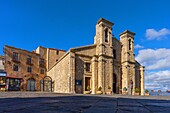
(38, 102)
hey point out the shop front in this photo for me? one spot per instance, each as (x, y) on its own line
(13, 84)
(2, 81)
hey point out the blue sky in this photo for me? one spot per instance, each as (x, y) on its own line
(64, 24)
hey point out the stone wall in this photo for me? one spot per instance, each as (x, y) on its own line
(81, 72)
(60, 74)
(50, 55)
(85, 50)
(83, 55)
(53, 56)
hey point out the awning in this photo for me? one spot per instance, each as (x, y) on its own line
(2, 73)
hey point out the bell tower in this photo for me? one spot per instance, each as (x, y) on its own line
(103, 32)
(104, 51)
(127, 40)
(128, 60)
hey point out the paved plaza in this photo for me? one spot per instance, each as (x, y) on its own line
(39, 102)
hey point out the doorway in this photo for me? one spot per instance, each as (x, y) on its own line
(31, 84)
(46, 84)
(114, 83)
(87, 83)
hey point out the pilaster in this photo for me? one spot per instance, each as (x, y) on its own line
(111, 74)
(71, 78)
(124, 76)
(134, 80)
(94, 75)
(142, 80)
(47, 63)
(101, 72)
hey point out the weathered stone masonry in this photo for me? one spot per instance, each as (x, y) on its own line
(106, 63)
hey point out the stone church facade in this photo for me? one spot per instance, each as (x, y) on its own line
(106, 63)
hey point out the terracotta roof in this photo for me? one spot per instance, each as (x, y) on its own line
(57, 49)
(21, 49)
(52, 48)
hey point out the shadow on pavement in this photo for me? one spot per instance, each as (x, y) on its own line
(82, 104)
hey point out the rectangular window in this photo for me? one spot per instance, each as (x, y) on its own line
(114, 54)
(42, 62)
(29, 60)
(87, 67)
(42, 71)
(15, 67)
(29, 69)
(15, 56)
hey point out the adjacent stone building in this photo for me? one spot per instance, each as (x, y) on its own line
(27, 70)
(106, 63)
(2, 63)
(2, 74)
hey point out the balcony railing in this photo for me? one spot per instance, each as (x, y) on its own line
(16, 60)
(29, 62)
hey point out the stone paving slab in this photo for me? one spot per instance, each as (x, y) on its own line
(39, 102)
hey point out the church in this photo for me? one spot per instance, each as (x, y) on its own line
(108, 63)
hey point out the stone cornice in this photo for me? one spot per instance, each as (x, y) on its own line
(82, 55)
(10, 47)
(127, 32)
(105, 21)
(129, 62)
(107, 56)
(82, 47)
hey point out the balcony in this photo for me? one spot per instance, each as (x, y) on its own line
(16, 60)
(29, 62)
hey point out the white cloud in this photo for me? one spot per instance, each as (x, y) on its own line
(159, 76)
(157, 80)
(152, 34)
(154, 58)
(138, 46)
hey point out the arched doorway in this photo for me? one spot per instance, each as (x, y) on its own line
(46, 84)
(114, 83)
(31, 84)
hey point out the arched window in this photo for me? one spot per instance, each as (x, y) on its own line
(106, 35)
(129, 44)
